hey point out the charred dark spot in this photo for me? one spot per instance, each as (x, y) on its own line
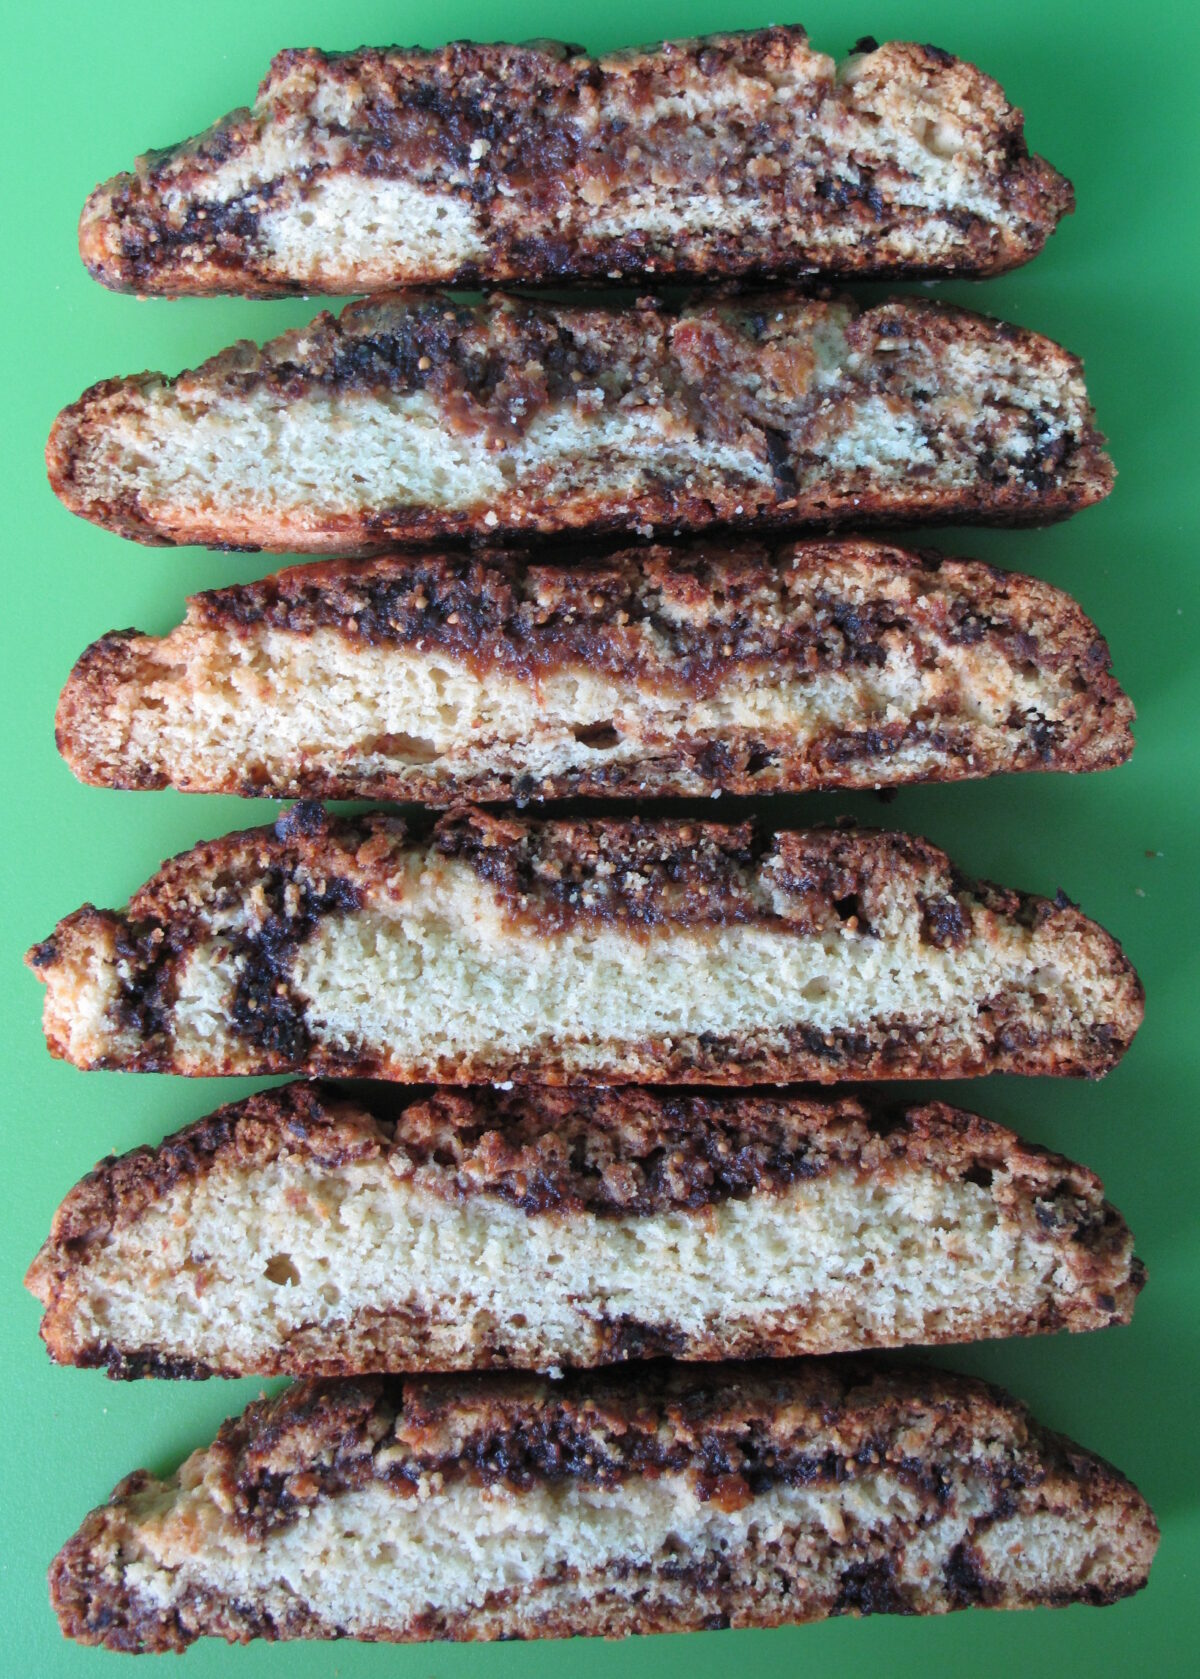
(945, 923)
(133, 1364)
(964, 1578)
(305, 820)
(871, 1588)
(779, 454)
(630, 1338)
(1044, 734)
(968, 626)
(715, 762)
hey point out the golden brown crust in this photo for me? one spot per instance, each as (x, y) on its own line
(732, 1430)
(684, 620)
(533, 146)
(276, 886)
(742, 429)
(591, 1154)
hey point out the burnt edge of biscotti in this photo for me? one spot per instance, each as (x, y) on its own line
(406, 342)
(738, 607)
(214, 246)
(634, 873)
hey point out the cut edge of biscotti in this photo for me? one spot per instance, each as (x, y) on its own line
(591, 951)
(415, 419)
(649, 1500)
(306, 1233)
(916, 165)
(686, 670)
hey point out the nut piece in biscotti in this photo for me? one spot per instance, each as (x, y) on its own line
(303, 1233)
(734, 155)
(582, 952)
(654, 1499)
(737, 669)
(416, 418)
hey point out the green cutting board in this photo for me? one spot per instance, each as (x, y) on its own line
(1109, 94)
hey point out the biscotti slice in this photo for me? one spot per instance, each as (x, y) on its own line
(726, 156)
(302, 1233)
(415, 418)
(735, 669)
(647, 1500)
(612, 952)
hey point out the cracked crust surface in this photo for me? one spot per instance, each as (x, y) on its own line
(729, 156)
(582, 951)
(658, 1500)
(218, 1252)
(687, 670)
(414, 419)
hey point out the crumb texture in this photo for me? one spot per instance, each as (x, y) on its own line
(415, 418)
(299, 1233)
(665, 670)
(582, 951)
(732, 155)
(661, 1500)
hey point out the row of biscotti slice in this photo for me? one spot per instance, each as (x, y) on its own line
(670, 1501)
(418, 418)
(655, 1500)
(689, 670)
(304, 1232)
(493, 948)
(735, 155)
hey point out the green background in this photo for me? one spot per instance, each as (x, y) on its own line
(1109, 93)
